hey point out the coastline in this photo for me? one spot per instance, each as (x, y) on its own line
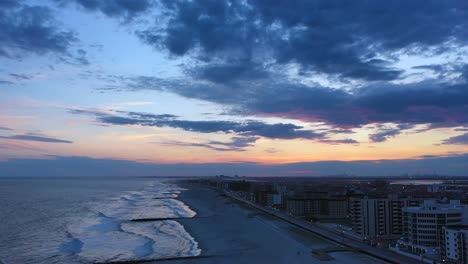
(229, 231)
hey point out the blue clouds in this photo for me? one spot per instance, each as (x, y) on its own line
(457, 140)
(438, 102)
(247, 132)
(32, 29)
(350, 39)
(35, 137)
(239, 52)
(236, 144)
(247, 129)
(114, 8)
(27, 29)
(385, 132)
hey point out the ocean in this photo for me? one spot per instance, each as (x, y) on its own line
(83, 220)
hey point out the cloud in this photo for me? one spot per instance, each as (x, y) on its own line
(386, 132)
(457, 140)
(28, 29)
(5, 82)
(339, 141)
(240, 54)
(248, 128)
(228, 73)
(9, 3)
(127, 9)
(427, 102)
(20, 77)
(69, 166)
(319, 36)
(236, 144)
(35, 137)
(33, 29)
(384, 135)
(5, 128)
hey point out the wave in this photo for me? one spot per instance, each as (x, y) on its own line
(105, 234)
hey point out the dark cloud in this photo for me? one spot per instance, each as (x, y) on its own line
(426, 102)
(228, 73)
(384, 133)
(9, 3)
(339, 141)
(81, 57)
(5, 82)
(35, 137)
(432, 67)
(236, 144)
(32, 29)
(350, 39)
(248, 128)
(455, 165)
(457, 140)
(20, 77)
(339, 131)
(5, 128)
(114, 8)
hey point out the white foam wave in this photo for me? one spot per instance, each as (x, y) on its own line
(105, 235)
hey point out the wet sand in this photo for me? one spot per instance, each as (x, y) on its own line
(230, 232)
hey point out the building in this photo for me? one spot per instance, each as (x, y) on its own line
(372, 218)
(274, 199)
(456, 246)
(319, 208)
(424, 228)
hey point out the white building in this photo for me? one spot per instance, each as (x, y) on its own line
(423, 228)
(455, 245)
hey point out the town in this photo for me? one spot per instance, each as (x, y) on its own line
(425, 220)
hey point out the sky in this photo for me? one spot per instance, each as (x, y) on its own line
(252, 87)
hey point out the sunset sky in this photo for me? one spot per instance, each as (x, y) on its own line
(254, 87)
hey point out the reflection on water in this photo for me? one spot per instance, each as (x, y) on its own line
(417, 182)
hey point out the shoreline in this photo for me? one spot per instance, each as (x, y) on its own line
(384, 255)
(229, 231)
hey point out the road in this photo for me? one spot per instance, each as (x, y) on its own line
(383, 254)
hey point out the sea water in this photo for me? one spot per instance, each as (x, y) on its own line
(83, 220)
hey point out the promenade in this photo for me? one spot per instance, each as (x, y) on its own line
(383, 254)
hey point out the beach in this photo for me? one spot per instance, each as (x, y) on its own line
(230, 232)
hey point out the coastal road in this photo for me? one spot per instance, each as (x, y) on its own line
(386, 255)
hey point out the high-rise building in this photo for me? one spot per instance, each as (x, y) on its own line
(456, 246)
(423, 227)
(380, 217)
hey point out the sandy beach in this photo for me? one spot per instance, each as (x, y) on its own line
(230, 232)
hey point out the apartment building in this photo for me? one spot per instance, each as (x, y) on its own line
(455, 244)
(381, 217)
(319, 208)
(425, 227)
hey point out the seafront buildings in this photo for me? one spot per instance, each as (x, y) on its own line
(425, 222)
(425, 227)
(379, 217)
(318, 208)
(455, 248)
